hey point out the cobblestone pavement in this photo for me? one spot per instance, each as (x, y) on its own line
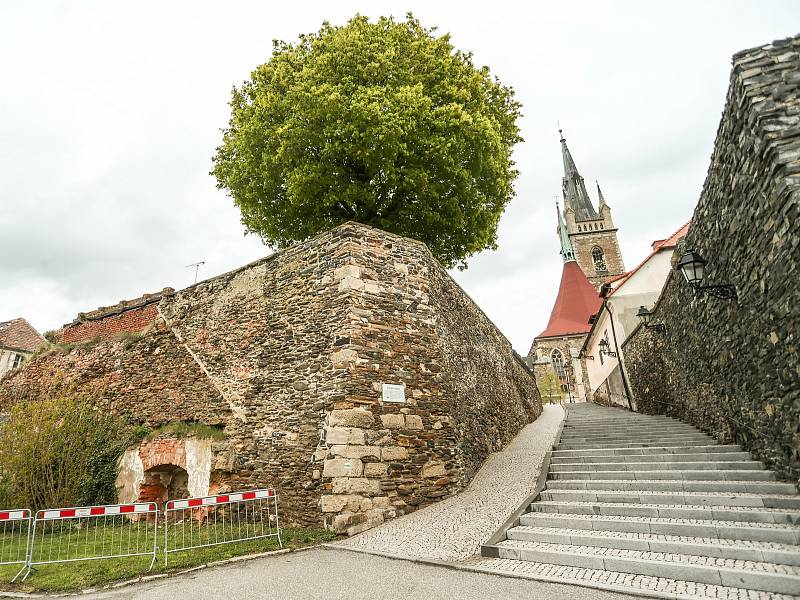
(323, 574)
(455, 528)
(614, 581)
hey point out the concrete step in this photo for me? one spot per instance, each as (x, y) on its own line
(738, 465)
(683, 474)
(732, 530)
(784, 554)
(643, 458)
(704, 449)
(630, 428)
(671, 511)
(632, 444)
(751, 575)
(621, 441)
(787, 501)
(666, 485)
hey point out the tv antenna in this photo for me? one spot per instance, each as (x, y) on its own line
(196, 268)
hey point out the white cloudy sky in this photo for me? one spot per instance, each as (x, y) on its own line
(110, 112)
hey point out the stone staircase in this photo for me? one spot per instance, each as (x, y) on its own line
(651, 496)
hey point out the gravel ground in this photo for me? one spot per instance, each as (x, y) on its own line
(455, 528)
(328, 574)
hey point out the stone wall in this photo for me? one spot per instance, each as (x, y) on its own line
(732, 367)
(289, 354)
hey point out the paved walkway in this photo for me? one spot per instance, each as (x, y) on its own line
(454, 529)
(322, 574)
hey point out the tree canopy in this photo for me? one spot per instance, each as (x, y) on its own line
(377, 122)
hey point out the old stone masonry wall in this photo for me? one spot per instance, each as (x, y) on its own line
(732, 367)
(466, 394)
(288, 356)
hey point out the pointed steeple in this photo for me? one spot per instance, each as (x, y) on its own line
(567, 252)
(600, 194)
(574, 189)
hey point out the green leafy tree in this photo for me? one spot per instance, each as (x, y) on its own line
(381, 123)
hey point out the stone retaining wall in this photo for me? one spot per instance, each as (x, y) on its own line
(732, 367)
(289, 355)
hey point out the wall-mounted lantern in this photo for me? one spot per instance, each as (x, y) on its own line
(603, 345)
(692, 265)
(646, 317)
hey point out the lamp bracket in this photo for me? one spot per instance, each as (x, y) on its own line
(721, 291)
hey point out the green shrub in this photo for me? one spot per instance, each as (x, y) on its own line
(60, 449)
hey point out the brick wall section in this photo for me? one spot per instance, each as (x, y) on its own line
(153, 381)
(134, 320)
(288, 354)
(732, 368)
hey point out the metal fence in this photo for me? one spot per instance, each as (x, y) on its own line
(93, 533)
(222, 519)
(15, 533)
(67, 535)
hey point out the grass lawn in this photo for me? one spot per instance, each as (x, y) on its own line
(95, 573)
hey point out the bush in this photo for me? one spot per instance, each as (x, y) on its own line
(60, 449)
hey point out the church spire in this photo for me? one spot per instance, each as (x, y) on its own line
(600, 194)
(574, 189)
(567, 252)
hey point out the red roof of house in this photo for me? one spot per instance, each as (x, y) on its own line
(658, 246)
(577, 301)
(18, 334)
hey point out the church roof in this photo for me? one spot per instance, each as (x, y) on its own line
(575, 195)
(577, 300)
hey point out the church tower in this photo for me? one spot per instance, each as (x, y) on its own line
(591, 232)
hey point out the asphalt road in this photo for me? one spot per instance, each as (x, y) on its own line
(339, 574)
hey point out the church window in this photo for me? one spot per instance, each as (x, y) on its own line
(599, 259)
(558, 363)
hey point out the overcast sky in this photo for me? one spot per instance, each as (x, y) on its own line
(110, 112)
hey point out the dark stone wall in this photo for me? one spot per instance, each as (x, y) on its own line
(732, 367)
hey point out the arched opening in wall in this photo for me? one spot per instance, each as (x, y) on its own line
(599, 259)
(162, 483)
(558, 364)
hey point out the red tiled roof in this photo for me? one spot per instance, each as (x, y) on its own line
(658, 246)
(18, 334)
(577, 301)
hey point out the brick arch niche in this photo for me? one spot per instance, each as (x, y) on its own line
(162, 483)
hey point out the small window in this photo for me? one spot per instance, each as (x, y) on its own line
(599, 259)
(558, 364)
(17, 361)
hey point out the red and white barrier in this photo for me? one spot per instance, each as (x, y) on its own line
(221, 499)
(15, 537)
(93, 533)
(220, 519)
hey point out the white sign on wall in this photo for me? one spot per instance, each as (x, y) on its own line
(394, 393)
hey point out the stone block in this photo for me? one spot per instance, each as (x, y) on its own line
(343, 467)
(356, 485)
(344, 435)
(376, 470)
(393, 421)
(336, 502)
(394, 453)
(346, 271)
(353, 417)
(434, 469)
(413, 422)
(344, 358)
(362, 452)
(351, 283)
